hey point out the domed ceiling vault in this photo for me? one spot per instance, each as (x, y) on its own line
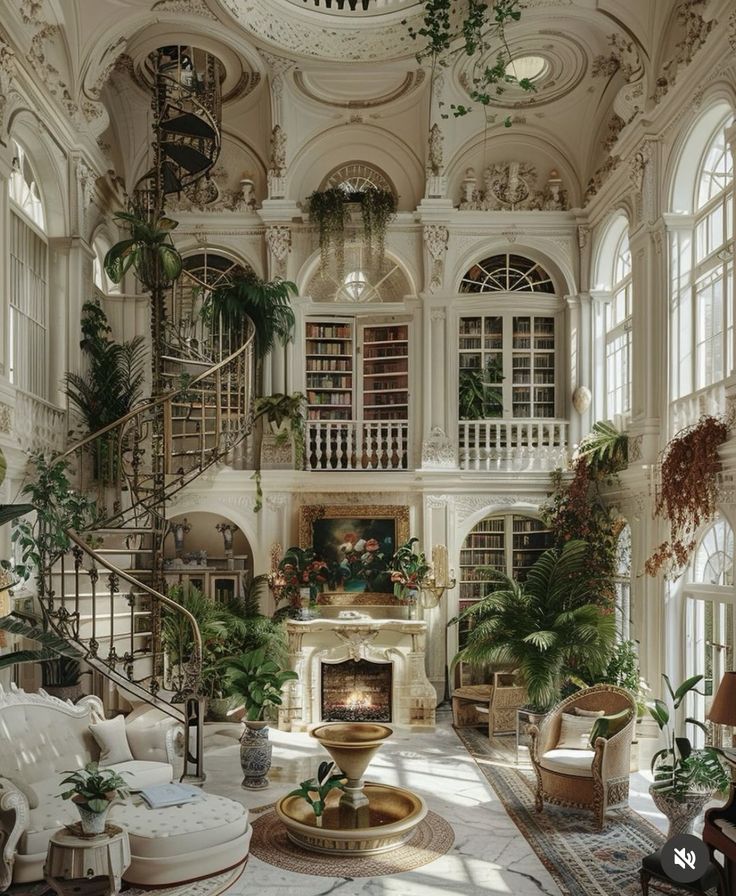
(602, 61)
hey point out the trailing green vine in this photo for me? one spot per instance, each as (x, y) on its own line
(378, 207)
(474, 32)
(328, 212)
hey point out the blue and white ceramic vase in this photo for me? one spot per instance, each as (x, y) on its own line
(255, 755)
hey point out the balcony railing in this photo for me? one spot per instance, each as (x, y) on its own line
(688, 410)
(357, 445)
(535, 445)
(39, 425)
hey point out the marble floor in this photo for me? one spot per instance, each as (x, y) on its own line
(489, 855)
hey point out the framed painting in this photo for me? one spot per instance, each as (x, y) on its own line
(357, 544)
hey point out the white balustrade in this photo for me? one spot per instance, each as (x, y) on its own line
(39, 426)
(517, 444)
(357, 445)
(686, 411)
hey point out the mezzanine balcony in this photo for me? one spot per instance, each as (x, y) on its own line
(517, 444)
(357, 445)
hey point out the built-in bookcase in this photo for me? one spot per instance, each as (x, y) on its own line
(523, 347)
(357, 371)
(509, 543)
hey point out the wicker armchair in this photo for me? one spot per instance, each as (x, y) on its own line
(596, 779)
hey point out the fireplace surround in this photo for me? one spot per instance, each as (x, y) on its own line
(319, 644)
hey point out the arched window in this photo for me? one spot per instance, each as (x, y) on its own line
(362, 281)
(701, 276)
(28, 317)
(507, 359)
(507, 273)
(709, 616)
(618, 333)
(187, 333)
(356, 177)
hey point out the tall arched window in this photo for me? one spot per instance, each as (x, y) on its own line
(701, 266)
(709, 598)
(613, 321)
(28, 318)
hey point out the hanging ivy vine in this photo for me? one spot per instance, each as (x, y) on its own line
(473, 27)
(378, 208)
(687, 491)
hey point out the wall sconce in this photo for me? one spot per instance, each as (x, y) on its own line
(439, 580)
(275, 578)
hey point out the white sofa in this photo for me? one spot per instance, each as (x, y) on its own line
(40, 738)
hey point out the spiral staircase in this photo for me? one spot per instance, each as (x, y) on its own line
(106, 594)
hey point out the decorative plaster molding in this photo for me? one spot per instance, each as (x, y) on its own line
(439, 451)
(278, 240)
(513, 186)
(436, 237)
(188, 7)
(601, 175)
(467, 505)
(623, 57)
(6, 418)
(694, 30)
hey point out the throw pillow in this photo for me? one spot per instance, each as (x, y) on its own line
(112, 741)
(607, 726)
(589, 713)
(574, 732)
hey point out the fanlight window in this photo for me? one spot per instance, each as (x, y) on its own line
(362, 282)
(713, 561)
(357, 177)
(24, 188)
(507, 273)
(187, 334)
(717, 171)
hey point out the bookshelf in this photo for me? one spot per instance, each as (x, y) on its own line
(386, 372)
(524, 347)
(533, 367)
(509, 543)
(330, 364)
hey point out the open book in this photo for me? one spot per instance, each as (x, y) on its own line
(161, 795)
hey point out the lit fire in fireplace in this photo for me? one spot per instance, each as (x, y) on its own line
(358, 700)
(356, 691)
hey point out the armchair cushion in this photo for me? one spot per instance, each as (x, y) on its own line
(574, 732)
(112, 741)
(607, 726)
(569, 762)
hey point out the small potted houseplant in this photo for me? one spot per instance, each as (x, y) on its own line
(329, 778)
(255, 681)
(93, 790)
(685, 778)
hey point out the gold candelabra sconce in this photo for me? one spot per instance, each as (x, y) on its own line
(438, 580)
(275, 578)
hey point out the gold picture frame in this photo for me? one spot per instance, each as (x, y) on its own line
(325, 527)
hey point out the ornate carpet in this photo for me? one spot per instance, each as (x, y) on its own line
(582, 861)
(432, 839)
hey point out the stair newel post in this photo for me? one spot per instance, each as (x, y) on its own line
(193, 741)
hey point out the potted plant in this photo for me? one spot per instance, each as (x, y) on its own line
(329, 778)
(149, 250)
(60, 668)
(285, 414)
(479, 394)
(544, 627)
(685, 778)
(93, 791)
(255, 681)
(407, 569)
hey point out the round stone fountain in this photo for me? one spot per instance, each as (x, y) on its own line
(364, 819)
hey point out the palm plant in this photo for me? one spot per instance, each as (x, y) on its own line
(265, 303)
(605, 449)
(110, 388)
(544, 627)
(51, 649)
(248, 628)
(149, 251)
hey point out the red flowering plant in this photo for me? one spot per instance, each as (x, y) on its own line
(361, 560)
(407, 570)
(576, 509)
(300, 568)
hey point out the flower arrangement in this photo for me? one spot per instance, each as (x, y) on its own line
(299, 568)
(408, 568)
(687, 490)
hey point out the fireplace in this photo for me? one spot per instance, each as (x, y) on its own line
(346, 663)
(356, 691)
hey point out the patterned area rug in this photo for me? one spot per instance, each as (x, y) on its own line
(211, 886)
(583, 861)
(432, 839)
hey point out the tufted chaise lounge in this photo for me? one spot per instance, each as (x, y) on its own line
(41, 737)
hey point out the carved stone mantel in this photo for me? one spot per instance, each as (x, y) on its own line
(400, 642)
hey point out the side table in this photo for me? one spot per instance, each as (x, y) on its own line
(92, 866)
